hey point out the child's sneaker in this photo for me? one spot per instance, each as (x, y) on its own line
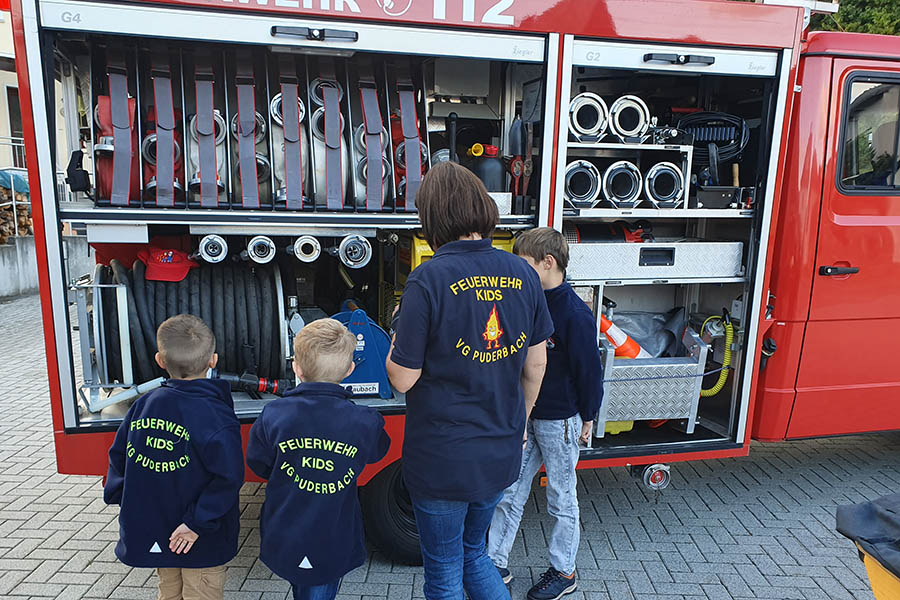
(505, 574)
(552, 585)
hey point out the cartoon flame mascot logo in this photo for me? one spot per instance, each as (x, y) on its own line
(394, 8)
(492, 331)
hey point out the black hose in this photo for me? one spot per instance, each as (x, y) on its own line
(171, 300)
(141, 363)
(159, 312)
(138, 273)
(266, 331)
(252, 320)
(277, 350)
(184, 296)
(729, 133)
(110, 324)
(241, 350)
(218, 312)
(194, 292)
(231, 361)
(206, 292)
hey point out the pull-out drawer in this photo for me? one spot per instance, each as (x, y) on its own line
(655, 262)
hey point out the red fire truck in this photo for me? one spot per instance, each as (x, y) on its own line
(725, 181)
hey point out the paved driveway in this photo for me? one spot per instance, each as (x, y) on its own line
(755, 527)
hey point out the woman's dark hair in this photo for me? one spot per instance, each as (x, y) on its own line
(452, 203)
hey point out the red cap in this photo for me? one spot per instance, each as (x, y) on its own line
(491, 150)
(166, 265)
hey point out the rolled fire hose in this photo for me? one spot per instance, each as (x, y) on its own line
(664, 184)
(315, 90)
(622, 183)
(582, 187)
(320, 166)
(362, 177)
(148, 151)
(588, 116)
(240, 302)
(400, 155)
(194, 153)
(278, 145)
(726, 357)
(629, 117)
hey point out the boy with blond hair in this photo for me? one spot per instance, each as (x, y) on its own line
(562, 417)
(179, 452)
(312, 445)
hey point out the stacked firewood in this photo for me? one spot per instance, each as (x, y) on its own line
(8, 216)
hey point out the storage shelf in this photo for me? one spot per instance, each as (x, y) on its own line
(661, 281)
(624, 146)
(657, 213)
(249, 219)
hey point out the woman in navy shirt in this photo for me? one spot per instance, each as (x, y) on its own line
(469, 351)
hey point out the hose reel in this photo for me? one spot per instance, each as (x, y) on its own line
(664, 185)
(622, 183)
(582, 188)
(241, 302)
(588, 117)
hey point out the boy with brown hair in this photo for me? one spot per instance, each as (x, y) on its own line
(563, 415)
(312, 445)
(179, 451)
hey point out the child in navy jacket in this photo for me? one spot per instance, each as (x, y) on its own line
(176, 468)
(563, 415)
(312, 445)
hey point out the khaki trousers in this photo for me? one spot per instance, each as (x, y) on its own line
(192, 584)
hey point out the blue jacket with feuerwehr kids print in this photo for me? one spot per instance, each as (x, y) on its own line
(177, 458)
(312, 445)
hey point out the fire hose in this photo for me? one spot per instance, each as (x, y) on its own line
(726, 359)
(239, 301)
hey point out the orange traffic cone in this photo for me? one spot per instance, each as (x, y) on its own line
(626, 347)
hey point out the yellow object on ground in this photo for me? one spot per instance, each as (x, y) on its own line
(615, 427)
(413, 250)
(885, 585)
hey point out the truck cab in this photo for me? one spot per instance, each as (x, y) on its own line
(833, 313)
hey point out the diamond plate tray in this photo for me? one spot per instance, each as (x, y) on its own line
(624, 261)
(652, 388)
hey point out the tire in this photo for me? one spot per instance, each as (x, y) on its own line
(388, 516)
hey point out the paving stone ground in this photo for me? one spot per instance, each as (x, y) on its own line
(755, 527)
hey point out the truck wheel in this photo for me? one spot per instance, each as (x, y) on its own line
(389, 518)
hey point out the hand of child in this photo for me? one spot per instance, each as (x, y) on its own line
(586, 428)
(182, 539)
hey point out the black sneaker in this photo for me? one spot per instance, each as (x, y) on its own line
(552, 585)
(505, 574)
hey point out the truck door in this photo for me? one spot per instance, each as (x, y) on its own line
(848, 379)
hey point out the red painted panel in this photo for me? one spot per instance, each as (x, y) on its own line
(848, 380)
(853, 44)
(686, 21)
(776, 391)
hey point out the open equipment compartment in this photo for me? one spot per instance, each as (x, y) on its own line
(274, 202)
(665, 181)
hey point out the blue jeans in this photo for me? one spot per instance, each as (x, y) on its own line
(452, 534)
(325, 591)
(555, 444)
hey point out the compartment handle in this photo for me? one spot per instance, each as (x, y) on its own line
(657, 257)
(679, 59)
(316, 33)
